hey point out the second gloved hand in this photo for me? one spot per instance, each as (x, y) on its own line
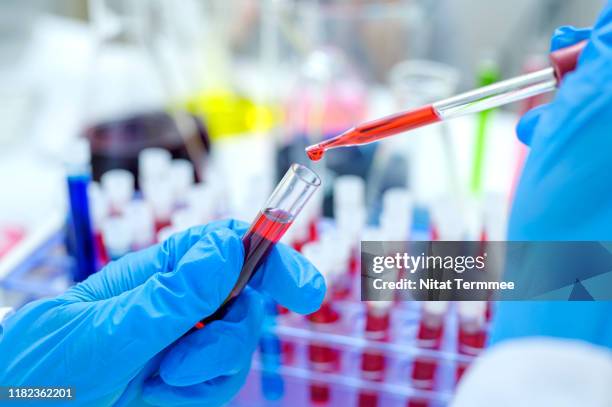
(118, 337)
(564, 192)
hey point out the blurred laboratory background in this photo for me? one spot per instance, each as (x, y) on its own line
(124, 121)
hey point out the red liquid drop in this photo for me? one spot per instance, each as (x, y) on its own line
(376, 130)
(315, 153)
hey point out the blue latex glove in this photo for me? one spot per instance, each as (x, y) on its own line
(565, 192)
(117, 338)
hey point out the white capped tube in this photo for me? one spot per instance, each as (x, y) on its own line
(182, 176)
(118, 185)
(153, 162)
(447, 219)
(98, 204)
(117, 235)
(184, 218)
(140, 216)
(158, 193)
(396, 216)
(201, 199)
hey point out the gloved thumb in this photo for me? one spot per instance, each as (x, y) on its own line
(567, 35)
(145, 320)
(563, 37)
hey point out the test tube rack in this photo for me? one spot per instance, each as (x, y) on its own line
(398, 387)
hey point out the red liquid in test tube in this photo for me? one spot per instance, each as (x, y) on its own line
(285, 203)
(101, 253)
(429, 336)
(373, 361)
(321, 356)
(265, 231)
(472, 334)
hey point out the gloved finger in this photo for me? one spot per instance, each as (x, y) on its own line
(137, 324)
(221, 348)
(291, 280)
(215, 392)
(567, 35)
(527, 124)
(134, 269)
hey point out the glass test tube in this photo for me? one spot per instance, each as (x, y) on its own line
(289, 197)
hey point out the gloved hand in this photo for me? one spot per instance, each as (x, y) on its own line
(565, 190)
(117, 338)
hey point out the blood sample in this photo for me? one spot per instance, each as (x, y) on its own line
(418, 402)
(373, 361)
(497, 94)
(429, 336)
(321, 356)
(472, 334)
(99, 208)
(285, 203)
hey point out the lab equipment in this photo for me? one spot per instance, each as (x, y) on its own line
(142, 223)
(119, 142)
(282, 207)
(488, 75)
(510, 90)
(396, 216)
(554, 204)
(117, 236)
(119, 187)
(100, 209)
(78, 179)
(153, 164)
(426, 162)
(159, 195)
(182, 176)
(472, 332)
(134, 313)
(373, 361)
(429, 336)
(270, 349)
(321, 357)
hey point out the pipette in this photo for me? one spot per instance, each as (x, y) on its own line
(500, 93)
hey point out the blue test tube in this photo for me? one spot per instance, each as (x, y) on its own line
(78, 178)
